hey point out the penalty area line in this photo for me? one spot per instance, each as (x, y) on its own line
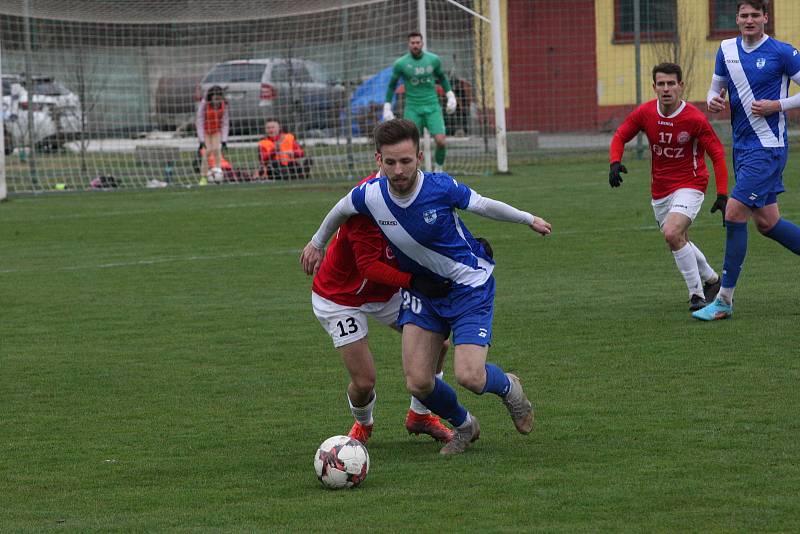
(152, 261)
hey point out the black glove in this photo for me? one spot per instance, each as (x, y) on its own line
(224, 146)
(720, 204)
(614, 179)
(201, 146)
(486, 246)
(429, 287)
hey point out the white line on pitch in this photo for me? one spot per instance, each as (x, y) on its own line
(154, 261)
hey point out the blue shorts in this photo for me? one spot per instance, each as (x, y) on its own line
(467, 311)
(759, 175)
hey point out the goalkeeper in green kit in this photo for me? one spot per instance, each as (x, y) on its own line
(420, 70)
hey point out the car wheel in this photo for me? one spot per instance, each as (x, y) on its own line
(8, 146)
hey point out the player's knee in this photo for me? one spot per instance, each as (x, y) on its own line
(363, 383)
(674, 238)
(419, 386)
(764, 226)
(419, 380)
(471, 378)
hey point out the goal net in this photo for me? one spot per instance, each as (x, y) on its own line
(103, 94)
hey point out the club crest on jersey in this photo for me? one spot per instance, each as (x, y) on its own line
(760, 62)
(429, 216)
(683, 138)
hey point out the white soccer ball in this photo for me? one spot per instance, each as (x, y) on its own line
(215, 175)
(341, 462)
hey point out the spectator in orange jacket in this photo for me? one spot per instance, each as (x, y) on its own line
(279, 155)
(213, 124)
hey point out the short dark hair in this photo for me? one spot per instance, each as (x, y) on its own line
(414, 34)
(759, 5)
(395, 131)
(213, 91)
(668, 68)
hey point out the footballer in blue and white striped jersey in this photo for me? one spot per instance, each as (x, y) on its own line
(425, 232)
(755, 69)
(429, 238)
(753, 73)
(416, 212)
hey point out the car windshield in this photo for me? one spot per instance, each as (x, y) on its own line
(49, 88)
(318, 73)
(290, 72)
(235, 73)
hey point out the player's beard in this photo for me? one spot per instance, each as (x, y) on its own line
(410, 180)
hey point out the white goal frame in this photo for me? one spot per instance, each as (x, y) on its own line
(133, 145)
(498, 78)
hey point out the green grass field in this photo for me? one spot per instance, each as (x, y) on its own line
(161, 370)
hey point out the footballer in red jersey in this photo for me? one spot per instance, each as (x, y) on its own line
(679, 136)
(359, 278)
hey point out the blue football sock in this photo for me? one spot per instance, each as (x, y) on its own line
(787, 234)
(735, 251)
(496, 381)
(443, 402)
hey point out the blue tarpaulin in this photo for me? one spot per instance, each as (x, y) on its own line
(368, 98)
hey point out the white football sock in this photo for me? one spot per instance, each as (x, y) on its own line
(726, 294)
(363, 414)
(417, 407)
(466, 423)
(707, 273)
(687, 265)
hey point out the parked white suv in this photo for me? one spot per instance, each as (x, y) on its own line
(56, 111)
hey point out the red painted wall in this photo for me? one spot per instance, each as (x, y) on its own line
(552, 67)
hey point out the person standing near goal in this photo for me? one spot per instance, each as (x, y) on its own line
(420, 70)
(358, 278)
(679, 135)
(755, 70)
(213, 124)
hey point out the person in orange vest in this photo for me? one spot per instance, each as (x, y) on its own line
(279, 155)
(213, 125)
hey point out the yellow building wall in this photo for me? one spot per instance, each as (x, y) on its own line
(482, 7)
(616, 70)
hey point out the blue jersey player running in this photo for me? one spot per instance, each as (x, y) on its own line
(416, 211)
(755, 69)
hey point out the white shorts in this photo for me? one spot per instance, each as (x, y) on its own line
(685, 201)
(347, 324)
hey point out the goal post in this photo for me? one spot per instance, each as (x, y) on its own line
(114, 87)
(499, 86)
(498, 78)
(3, 111)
